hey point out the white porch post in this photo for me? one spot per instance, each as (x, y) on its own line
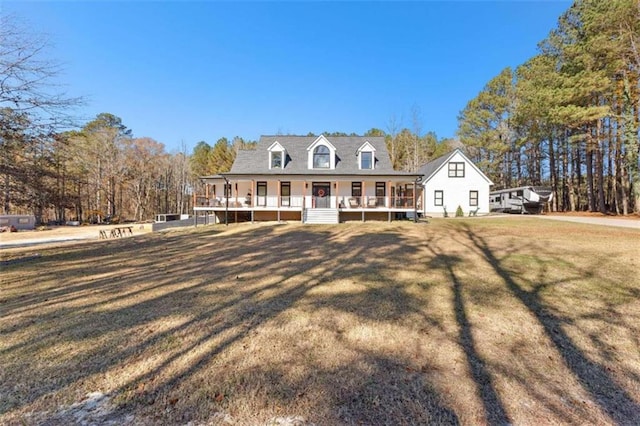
(278, 198)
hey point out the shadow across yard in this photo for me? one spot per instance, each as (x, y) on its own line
(494, 411)
(147, 318)
(612, 398)
(370, 323)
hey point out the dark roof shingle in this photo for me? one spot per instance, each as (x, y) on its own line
(257, 161)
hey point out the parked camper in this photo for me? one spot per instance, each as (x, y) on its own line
(524, 199)
(18, 222)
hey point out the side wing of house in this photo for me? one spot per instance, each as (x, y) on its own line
(451, 181)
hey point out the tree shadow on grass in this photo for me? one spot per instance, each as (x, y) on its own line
(494, 411)
(181, 307)
(592, 376)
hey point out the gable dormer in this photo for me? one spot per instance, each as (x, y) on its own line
(366, 156)
(321, 154)
(277, 156)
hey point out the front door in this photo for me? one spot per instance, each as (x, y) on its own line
(321, 192)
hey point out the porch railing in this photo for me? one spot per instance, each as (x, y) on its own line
(375, 202)
(256, 201)
(297, 201)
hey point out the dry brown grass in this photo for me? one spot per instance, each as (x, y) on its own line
(456, 321)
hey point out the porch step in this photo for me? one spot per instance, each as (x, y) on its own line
(319, 216)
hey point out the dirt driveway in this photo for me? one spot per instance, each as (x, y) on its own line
(61, 234)
(627, 222)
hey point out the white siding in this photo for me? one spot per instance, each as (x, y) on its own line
(456, 190)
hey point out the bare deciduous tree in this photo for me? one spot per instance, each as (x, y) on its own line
(29, 94)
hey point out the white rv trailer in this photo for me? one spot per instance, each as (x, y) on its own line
(524, 199)
(19, 222)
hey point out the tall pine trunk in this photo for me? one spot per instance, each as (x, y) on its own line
(600, 168)
(553, 174)
(591, 199)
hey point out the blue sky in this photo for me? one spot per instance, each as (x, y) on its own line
(181, 72)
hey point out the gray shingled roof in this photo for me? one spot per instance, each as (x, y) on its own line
(429, 169)
(257, 161)
(432, 166)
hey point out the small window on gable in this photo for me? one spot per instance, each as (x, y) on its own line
(456, 170)
(276, 159)
(321, 157)
(366, 160)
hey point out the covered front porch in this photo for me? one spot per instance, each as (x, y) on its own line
(351, 198)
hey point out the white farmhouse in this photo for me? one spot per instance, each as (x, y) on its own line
(451, 181)
(322, 179)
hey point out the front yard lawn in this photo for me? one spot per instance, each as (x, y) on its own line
(473, 321)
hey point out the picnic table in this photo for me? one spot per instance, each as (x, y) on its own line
(117, 232)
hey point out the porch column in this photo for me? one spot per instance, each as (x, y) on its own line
(278, 198)
(304, 195)
(254, 197)
(235, 204)
(363, 201)
(235, 186)
(388, 191)
(337, 192)
(415, 202)
(278, 192)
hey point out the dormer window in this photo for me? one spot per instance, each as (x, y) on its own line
(321, 154)
(321, 157)
(366, 157)
(277, 156)
(276, 160)
(366, 160)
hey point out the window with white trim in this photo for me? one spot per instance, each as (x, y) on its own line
(366, 160)
(277, 159)
(277, 156)
(321, 157)
(438, 198)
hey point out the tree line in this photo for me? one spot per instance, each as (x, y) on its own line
(98, 172)
(568, 117)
